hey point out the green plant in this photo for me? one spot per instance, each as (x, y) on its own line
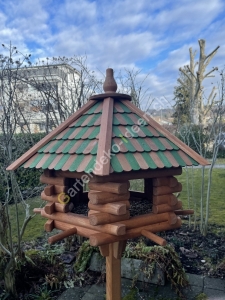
(83, 257)
(41, 293)
(201, 296)
(132, 295)
(164, 257)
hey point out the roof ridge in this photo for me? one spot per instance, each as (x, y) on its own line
(105, 138)
(171, 137)
(51, 135)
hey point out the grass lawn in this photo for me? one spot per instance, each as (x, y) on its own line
(217, 201)
(35, 227)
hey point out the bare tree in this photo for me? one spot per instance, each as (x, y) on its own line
(194, 83)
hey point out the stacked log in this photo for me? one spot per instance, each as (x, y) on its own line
(108, 202)
(55, 194)
(164, 199)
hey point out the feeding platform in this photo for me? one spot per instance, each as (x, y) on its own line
(106, 143)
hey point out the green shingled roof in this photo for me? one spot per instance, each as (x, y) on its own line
(132, 148)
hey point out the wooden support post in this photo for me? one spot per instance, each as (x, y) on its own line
(113, 276)
(104, 250)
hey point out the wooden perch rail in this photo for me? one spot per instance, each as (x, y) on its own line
(62, 235)
(153, 237)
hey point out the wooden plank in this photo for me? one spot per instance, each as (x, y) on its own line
(113, 276)
(110, 187)
(153, 237)
(50, 136)
(99, 239)
(170, 136)
(60, 189)
(102, 165)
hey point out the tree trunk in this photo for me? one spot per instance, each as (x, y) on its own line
(9, 278)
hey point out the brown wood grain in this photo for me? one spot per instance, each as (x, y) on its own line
(111, 187)
(113, 276)
(102, 166)
(102, 238)
(83, 221)
(153, 237)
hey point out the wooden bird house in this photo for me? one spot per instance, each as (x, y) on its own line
(106, 143)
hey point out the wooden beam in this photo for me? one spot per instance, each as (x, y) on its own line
(102, 165)
(113, 276)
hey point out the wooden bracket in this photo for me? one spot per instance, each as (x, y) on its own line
(62, 235)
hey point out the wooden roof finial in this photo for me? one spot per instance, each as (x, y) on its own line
(109, 85)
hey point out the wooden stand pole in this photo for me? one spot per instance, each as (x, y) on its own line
(113, 276)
